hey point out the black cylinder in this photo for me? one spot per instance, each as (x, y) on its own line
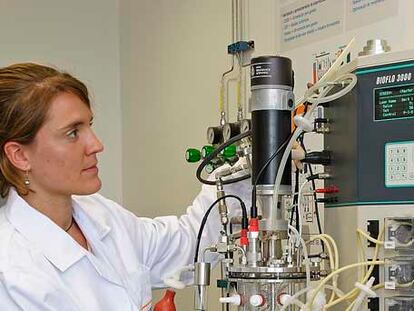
(272, 98)
(270, 128)
(271, 70)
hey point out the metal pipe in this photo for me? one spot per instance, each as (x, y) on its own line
(224, 292)
(237, 20)
(222, 206)
(232, 20)
(201, 282)
(240, 20)
(207, 249)
(200, 298)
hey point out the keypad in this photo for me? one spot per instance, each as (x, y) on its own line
(399, 164)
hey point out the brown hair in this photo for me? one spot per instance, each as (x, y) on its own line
(26, 92)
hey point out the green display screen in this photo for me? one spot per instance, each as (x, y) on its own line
(395, 102)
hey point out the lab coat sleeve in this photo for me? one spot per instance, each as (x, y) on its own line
(174, 239)
(6, 302)
(165, 244)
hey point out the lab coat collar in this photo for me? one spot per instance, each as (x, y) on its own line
(57, 246)
(97, 222)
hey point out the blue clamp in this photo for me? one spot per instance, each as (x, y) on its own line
(240, 46)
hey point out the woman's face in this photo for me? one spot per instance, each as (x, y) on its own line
(62, 156)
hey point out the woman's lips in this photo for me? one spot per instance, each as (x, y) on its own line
(91, 169)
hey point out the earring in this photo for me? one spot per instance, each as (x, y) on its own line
(26, 178)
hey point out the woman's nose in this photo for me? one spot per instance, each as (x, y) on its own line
(95, 145)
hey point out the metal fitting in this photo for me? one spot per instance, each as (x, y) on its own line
(201, 280)
(222, 203)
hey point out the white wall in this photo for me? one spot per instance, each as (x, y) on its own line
(81, 37)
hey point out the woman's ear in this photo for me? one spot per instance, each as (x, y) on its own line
(17, 155)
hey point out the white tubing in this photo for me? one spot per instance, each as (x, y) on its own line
(337, 291)
(333, 257)
(332, 274)
(299, 207)
(352, 294)
(332, 71)
(295, 297)
(366, 291)
(291, 300)
(298, 131)
(298, 303)
(345, 90)
(305, 253)
(282, 164)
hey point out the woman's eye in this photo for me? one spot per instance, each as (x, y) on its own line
(73, 134)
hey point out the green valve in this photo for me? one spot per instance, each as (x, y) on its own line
(229, 152)
(206, 151)
(192, 155)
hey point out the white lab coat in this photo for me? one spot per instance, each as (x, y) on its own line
(43, 268)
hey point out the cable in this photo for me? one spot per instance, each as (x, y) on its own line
(315, 101)
(331, 275)
(298, 207)
(204, 220)
(327, 239)
(254, 189)
(369, 238)
(212, 155)
(309, 166)
(305, 252)
(295, 199)
(334, 258)
(354, 292)
(303, 291)
(318, 218)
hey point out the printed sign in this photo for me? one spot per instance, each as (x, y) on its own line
(308, 20)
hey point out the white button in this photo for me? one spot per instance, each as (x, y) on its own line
(284, 298)
(256, 300)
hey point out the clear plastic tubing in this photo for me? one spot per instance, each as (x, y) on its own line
(298, 131)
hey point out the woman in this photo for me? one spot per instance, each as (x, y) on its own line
(62, 246)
